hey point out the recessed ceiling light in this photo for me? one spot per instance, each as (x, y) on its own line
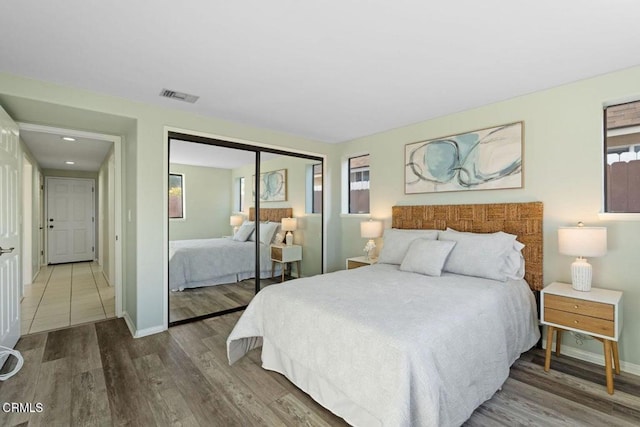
(68, 138)
(70, 163)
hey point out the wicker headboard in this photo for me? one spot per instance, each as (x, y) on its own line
(271, 214)
(522, 219)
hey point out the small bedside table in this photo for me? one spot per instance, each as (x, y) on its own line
(359, 261)
(597, 313)
(285, 254)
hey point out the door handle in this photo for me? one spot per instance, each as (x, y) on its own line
(51, 226)
(5, 251)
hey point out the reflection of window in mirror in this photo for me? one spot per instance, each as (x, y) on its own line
(622, 159)
(314, 188)
(359, 184)
(240, 194)
(317, 188)
(176, 196)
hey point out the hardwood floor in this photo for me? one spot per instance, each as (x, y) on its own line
(97, 374)
(196, 302)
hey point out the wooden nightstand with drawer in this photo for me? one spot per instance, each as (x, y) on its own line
(359, 261)
(285, 254)
(597, 313)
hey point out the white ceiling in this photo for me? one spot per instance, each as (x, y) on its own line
(195, 154)
(330, 71)
(52, 152)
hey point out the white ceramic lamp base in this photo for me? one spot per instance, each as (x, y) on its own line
(289, 238)
(370, 249)
(581, 274)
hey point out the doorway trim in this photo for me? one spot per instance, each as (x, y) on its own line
(116, 241)
(28, 213)
(198, 135)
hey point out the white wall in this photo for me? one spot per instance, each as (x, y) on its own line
(207, 198)
(563, 167)
(33, 225)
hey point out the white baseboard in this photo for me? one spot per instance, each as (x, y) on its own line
(596, 358)
(142, 332)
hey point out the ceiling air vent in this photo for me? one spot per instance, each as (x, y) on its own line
(180, 96)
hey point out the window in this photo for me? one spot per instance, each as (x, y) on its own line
(622, 159)
(241, 194)
(317, 189)
(176, 196)
(359, 184)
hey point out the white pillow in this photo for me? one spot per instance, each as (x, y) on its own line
(514, 261)
(245, 230)
(478, 254)
(267, 231)
(427, 256)
(396, 243)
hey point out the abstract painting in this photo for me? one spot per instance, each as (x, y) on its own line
(480, 160)
(273, 186)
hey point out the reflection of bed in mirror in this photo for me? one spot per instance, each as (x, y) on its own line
(208, 262)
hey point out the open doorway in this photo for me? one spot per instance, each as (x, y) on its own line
(66, 292)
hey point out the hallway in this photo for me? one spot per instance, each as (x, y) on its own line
(66, 294)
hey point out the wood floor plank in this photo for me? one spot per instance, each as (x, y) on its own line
(205, 401)
(294, 412)
(90, 400)
(243, 397)
(126, 396)
(167, 404)
(53, 390)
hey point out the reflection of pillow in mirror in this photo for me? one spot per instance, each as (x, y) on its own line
(267, 231)
(396, 243)
(243, 233)
(427, 256)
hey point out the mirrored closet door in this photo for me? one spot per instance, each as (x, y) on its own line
(211, 267)
(240, 218)
(291, 194)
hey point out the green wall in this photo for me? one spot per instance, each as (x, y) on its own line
(145, 161)
(207, 198)
(563, 167)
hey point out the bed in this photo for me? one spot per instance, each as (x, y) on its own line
(208, 262)
(381, 346)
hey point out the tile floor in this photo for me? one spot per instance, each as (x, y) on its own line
(64, 295)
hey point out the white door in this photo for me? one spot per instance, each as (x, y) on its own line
(10, 283)
(70, 220)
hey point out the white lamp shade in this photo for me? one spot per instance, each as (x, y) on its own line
(236, 220)
(371, 229)
(289, 224)
(585, 242)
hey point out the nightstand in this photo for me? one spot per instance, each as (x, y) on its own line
(285, 254)
(597, 313)
(359, 261)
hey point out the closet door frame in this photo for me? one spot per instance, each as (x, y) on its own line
(257, 149)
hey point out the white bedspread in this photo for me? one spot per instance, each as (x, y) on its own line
(378, 346)
(205, 262)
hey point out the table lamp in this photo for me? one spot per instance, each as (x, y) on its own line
(582, 242)
(236, 221)
(289, 225)
(370, 230)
